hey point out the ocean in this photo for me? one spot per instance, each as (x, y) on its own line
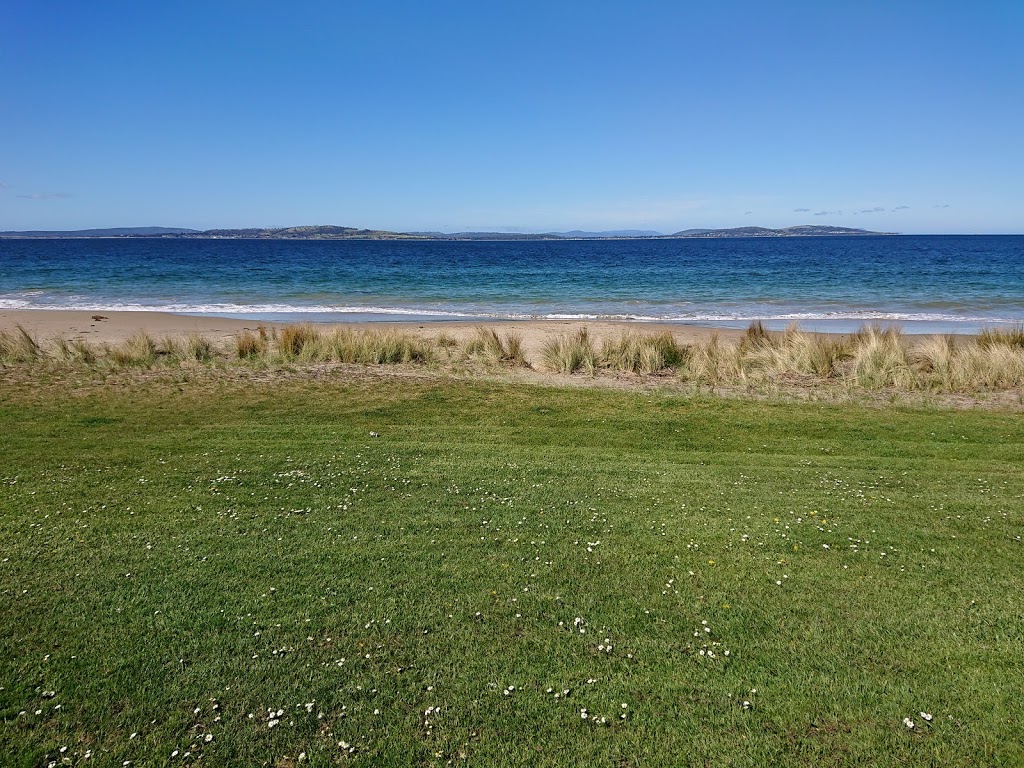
(924, 284)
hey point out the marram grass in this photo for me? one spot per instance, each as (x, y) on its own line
(643, 353)
(794, 352)
(199, 348)
(294, 339)
(997, 337)
(19, 347)
(139, 350)
(495, 347)
(571, 353)
(873, 359)
(249, 345)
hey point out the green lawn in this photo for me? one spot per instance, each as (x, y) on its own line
(229, 574)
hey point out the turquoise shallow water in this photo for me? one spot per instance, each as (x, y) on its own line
(923, 283)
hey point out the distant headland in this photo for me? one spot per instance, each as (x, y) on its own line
(329, 232)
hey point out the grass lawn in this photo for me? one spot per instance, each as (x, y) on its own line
(227, 574)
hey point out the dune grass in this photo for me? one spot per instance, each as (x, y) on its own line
(998, 337)
(19, 347)
(445, 341)
(199, 348)
(643, 353)
(386, 347)
(308, 343)
(494, 347)
(75, 351)
(139, 350)
(881, 360)
(249, 345)
(873, 359)
(504, 575)
(792, 352)
(295, 338)
(571, 353)
(295, 344)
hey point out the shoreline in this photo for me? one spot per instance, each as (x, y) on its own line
(118, 325)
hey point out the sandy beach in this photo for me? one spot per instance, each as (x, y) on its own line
(113, 327)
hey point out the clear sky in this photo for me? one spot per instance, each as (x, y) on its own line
(897, 115)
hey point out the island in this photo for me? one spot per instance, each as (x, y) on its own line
(332, 232)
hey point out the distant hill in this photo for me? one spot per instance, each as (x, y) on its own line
(323, 232)
(806, 230)
(331, 232)
(111, 232)
(691, 232)
(485, 236)
(493, 236)
(610, 233)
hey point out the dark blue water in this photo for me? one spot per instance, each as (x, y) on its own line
(924, 283)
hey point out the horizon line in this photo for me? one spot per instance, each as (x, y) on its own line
(13, 233)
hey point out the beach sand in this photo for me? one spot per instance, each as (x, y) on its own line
(113, 327)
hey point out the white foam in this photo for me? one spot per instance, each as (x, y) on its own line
(225, 309)
(21, 301)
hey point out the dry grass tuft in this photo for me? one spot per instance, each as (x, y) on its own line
(571, 353)
(62, 348)
(294, 338)
(83, 352)
(170, 348)
(712, 363)
(199, 348)
(946, 365)
(367, 347)
(997, 337)
(814, 354)
(490, 345)
(19, 347)
(873, 358)
(643, 354)
(249, 346)
(762, 356)
(999, 366)
(937, 361)
(75, 351)
(881, 359)
(794, 352)
(308, 344)
(138, 350)
(757, 338)
(390, 347)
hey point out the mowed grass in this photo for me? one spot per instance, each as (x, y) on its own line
(236, 574)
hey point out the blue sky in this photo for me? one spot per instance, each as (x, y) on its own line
(896, 116)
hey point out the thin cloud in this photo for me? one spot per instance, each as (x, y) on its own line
(829, 213)
(945, 205)
(4, 184)
(747, 213)
(801, 210)
(902, 208)
(876, 209)
(51, 196)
